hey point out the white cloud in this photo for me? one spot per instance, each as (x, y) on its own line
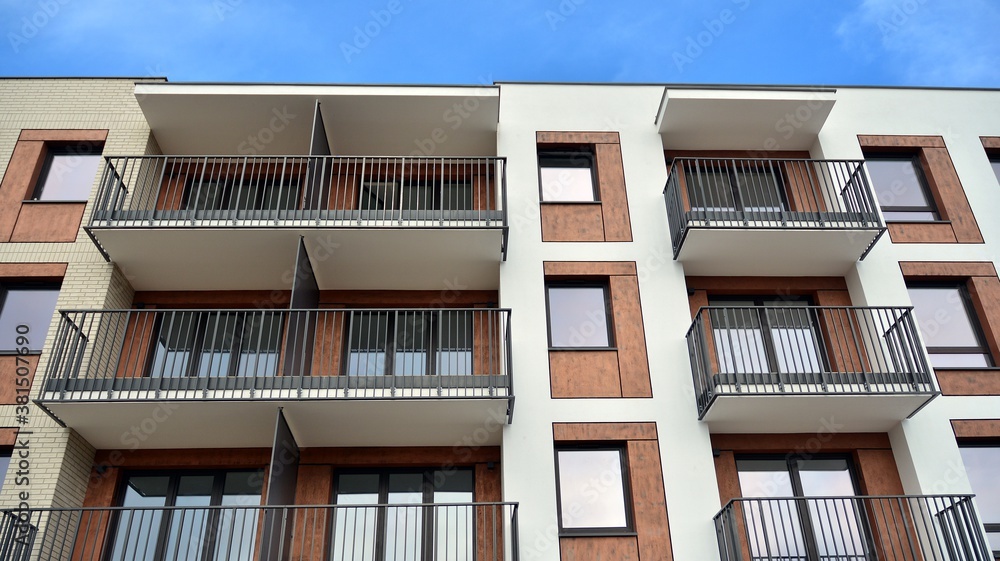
(928, 42)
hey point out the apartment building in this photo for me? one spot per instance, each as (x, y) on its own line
(292, 321)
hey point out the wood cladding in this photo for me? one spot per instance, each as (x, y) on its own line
(48, 222)
(9, 376)
(572, 432)
(976, 428)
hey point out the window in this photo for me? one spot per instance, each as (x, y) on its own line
(415, 194)
(825, 527)
(193, 531)
(981, 464)
(68, 173)
(765, 335)
(409, 343)
(995, 162)
(948, 324)
(404, 529)
(5, 455)
(735, 185)
(592, 491)
(567, 176)
(28, 306)
(213, 344)
(901, 188)
(578, 316)
(253, 193)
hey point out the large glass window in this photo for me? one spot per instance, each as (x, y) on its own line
(5, 455)
(415, 194)
(26, 310)
(949, 326)
(982, 463)
(735, 185)
(567, 176)
(69, 173)
(212, 344)
(410, 343)
(578, 316)
(247, 194)
(592, 490)
(901, 188)
(405, 529)
(193, 531)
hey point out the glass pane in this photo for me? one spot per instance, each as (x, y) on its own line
(454, 526)
(206, 195)
(897, 184)
(418, 195)
(369, 336)
(70, 177)
(773, 527)
(377, 195)
(944, 320)
(237, 527)
(260, 345)
(457, 196)
(796, 347)
(354, 527)
(454, 357)
(174, 345)
(578, 317)
(960, 360)
(996, 171)
(404, 524)
(739, 341)
(32, 307)
(981, 465)
(909, 216)
(836, 522)
(137, 531)
(711, 189)
(567, 184)
(759, 190)
(188, 527)
(218, 343)
(4, 464)
(591, 489)
(412, 343)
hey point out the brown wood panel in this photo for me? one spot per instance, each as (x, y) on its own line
(630, 337)
(8, 436)
(624, 548)
(782, 443)
(137, 345)
(968, 382)
(943, 180)
(932, 270)
(18, 182)
(328, 349)
(584, 373)
(171, 194)
(555, 137)
(10, 381)
(697, 299)
(314, 486)
(614, 197)
(488, 518)
(803, 186)
(765, 285)
(403, 456)
(976, 428)
(344, 188)
(588, 268)
(487, 352)
(572, 222)
(917, 232)
(570, 432)
(649, 504)
(409, 298)
(898, 141)
(33, 271)
(877, 472)
(64, 135)
(48, 222)
(985, 295)
(186, 458)
(990, 142)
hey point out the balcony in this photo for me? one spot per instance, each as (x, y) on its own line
(891, 528)
(395, 377)
(363, 221)
(770, 217)
(786, 368)
(453, 532)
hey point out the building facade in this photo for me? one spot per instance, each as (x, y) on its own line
(509, 321)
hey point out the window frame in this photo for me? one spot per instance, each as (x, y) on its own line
(989, 526)
(922, 185)
(6, 287)
(433, 348)
(53, 149)
(974, 321)
(227, 185)
(622, 449)
(5, 452)
(732, 169)
(573, 155)
(369, 189)
(608, 312)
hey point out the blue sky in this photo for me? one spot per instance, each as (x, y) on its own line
(864, 42)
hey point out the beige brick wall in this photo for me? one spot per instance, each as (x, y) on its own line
(60, 458)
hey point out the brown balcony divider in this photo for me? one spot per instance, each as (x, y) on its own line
(109, 355)
(472, 531)
(768, 193)
(805, 350)
(862, 528)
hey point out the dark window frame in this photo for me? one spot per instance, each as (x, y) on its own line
(733, 166)
(975, 321)
(605, 285)
(432, 349)
(622, 449)
(261, 185)
(989, 526)
(922, 185)
(5, 288)
(436, 186)
(53, 149)
(582, 157)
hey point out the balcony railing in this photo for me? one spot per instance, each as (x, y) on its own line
(301, 191)
(411, 532)
(112, 355)
(890, 528)
(805, 350)
(768, 194)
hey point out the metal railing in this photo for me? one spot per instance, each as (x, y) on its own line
(768, 193)
(266, 354)
(864, 528)
(786, 350)
(396, 532)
